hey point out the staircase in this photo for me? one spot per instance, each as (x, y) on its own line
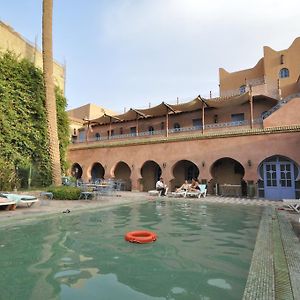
(280, 104)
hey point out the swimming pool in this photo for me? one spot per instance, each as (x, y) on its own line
(203, 251)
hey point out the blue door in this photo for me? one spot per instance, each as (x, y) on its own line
(279, 180)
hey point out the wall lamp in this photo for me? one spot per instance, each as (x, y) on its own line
(203, 163)
(249, 162)
(164, 165)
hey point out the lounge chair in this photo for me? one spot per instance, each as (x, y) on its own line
(178, 194)
(157, 193)
(294, 204)
(7, 204)
(201, 192)
(154, 193)
(21, 199)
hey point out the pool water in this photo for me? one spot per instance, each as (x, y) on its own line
(203, 251)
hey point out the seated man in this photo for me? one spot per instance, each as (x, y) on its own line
(161, 187)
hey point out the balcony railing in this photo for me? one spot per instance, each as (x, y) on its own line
(172, 131)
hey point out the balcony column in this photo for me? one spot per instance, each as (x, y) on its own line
(167, 124)
(279, 89)
(203, 121)
(87, 131)
(109, 133)
(251, 107)
(137, 126)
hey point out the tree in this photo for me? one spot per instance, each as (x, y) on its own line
(50, 101)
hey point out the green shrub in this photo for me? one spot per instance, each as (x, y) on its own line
(65, 192)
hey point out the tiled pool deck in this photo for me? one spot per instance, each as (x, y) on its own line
(275, 267)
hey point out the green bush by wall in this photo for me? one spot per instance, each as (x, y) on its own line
(23, 128)
(65, 192)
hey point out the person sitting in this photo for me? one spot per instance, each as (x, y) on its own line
(185, 187)
(161, 187)
(194, 187)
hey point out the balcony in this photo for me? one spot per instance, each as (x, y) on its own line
(208, 128)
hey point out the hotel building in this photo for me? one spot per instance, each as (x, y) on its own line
(245, 142)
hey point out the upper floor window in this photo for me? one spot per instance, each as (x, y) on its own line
(197, 122)
(242, 89)
(133, 130)
(215, 118)
(237, 117)
(81, 135)
(284, 73)
(97, 136)
(177, 127)
(150, 129)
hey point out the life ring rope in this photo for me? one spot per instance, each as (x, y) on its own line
(140, 236)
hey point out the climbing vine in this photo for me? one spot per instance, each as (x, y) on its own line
(23, 128)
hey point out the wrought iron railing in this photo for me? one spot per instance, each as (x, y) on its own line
(173, 130)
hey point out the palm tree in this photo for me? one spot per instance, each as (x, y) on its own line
(50, 95)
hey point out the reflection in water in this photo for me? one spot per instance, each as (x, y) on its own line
(202, 252)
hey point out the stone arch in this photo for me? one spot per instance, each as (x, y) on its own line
(150, 172)
(227, 177)
(183, 170)
(123, 172)
(76, 171)
(97, 172)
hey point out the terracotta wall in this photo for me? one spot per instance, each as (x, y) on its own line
(255, 148)
(288, 114)
(13, 41)
(230, 81)
(268, 69)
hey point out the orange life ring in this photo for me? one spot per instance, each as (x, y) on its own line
(140, 237)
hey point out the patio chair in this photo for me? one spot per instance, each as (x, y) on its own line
(21, 199)
(293, 204)
(203, 190)
(85, 193)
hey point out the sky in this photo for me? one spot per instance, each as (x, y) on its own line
(123, 54)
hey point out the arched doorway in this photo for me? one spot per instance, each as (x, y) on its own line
(76, 171)
(97, 172)
(227, 177)
(150, 172)
(278, 178)
(122, 172)
(183, 170)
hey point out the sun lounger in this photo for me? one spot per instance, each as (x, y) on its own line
(21, 199)
(201, 192)
(7, 204)
(154, 193)
(294, 204)
(158, 193)
(178, 194)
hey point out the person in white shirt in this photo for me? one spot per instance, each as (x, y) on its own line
(161, 187)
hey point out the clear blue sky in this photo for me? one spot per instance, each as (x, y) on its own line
(129, 53)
